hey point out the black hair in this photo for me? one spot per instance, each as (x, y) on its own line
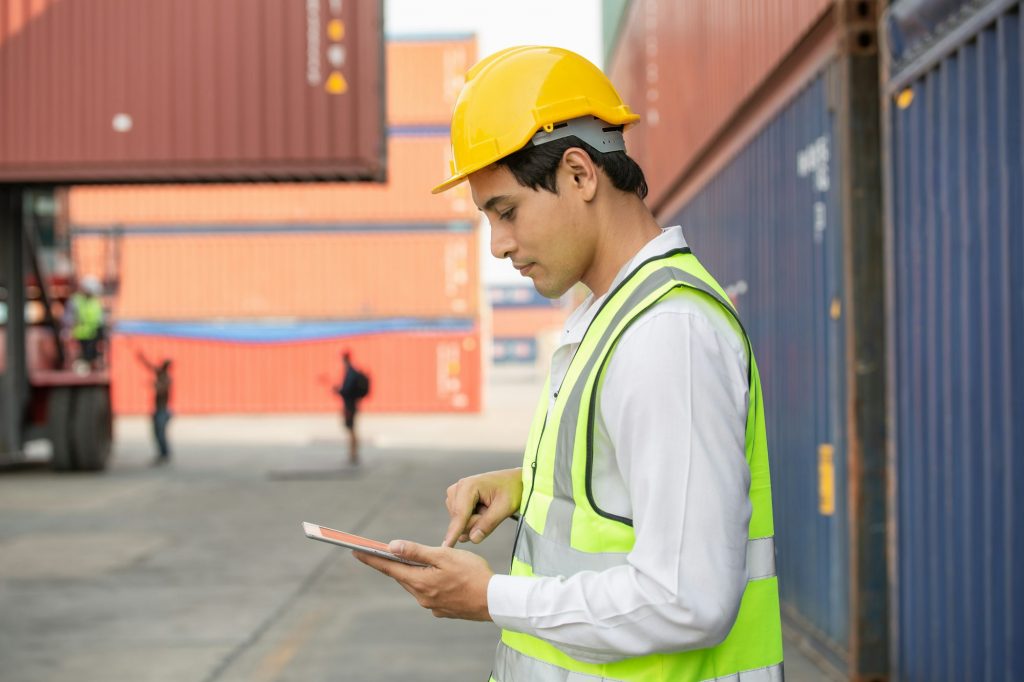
(536, 166)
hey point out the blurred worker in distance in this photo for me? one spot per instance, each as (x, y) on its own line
(84, 317)
(644, 549)
(355, 385)
(161, 402)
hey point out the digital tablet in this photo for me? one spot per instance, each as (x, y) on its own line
(359, 544)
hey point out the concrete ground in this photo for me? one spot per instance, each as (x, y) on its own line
(199, 571)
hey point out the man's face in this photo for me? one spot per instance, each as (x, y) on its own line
(542, 233)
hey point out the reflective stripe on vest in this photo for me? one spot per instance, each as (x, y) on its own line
(549, 559)
(563, 532)
(510, 666)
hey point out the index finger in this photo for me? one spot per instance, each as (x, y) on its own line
(460, 510)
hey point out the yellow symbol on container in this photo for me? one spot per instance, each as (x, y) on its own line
(836, 309)
(826, 480)
(336, 83)
(905, 98)
(336, 30)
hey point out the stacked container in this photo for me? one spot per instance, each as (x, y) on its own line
(755, 137)
(888, 324)
(255, 290)
(523, 324)
(955, 244)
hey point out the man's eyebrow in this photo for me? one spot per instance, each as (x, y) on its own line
(494, 201)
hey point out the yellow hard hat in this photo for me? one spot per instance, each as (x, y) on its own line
(511, 95)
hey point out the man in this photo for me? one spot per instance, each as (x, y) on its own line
(85, 319)
(161, 403)
(645, 548)
(354, 387)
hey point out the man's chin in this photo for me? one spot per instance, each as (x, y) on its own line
(548, 291)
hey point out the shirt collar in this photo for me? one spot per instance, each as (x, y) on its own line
(671, 238)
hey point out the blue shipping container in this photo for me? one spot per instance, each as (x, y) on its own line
(956, 236)
(769, 228)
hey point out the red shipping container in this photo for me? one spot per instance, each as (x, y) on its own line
(688, 68)
(126, 90)
(426, 371)
(324, 275)
(414, 164)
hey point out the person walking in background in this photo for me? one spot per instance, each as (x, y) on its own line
(355, 385)
(161, 401)
(84, 318)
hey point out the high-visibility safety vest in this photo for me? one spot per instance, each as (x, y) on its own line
(562, 531)
(88, 317)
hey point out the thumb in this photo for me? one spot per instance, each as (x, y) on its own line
(413, 551)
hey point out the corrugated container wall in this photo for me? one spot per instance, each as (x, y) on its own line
(424, 371)
(185, 273)
(425, 77)
(136, 90)
(414, 161)
(686, 67)
(956, 242)
(769, 228)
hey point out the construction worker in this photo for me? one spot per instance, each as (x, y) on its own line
(644, 548)
(85, 319)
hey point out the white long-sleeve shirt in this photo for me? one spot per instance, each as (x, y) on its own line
(669, 454)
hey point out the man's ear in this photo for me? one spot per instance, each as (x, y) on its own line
(581, 172)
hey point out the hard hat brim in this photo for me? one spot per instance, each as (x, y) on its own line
(449, 183)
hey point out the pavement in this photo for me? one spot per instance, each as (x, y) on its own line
(199, 571)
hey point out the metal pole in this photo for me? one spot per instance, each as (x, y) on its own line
(864, 273)
(14, 382)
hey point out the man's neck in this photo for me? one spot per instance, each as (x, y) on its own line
(624, 228)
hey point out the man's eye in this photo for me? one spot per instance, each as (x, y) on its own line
(507, 215)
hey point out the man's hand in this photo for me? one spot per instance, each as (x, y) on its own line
(452, 585)
(479, 503)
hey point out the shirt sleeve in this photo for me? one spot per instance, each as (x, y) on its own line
(674, 406)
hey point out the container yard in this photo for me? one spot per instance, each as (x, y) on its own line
(244, 191)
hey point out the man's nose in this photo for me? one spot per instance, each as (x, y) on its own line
(502, 244)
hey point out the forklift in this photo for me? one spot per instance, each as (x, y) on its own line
(42, 397)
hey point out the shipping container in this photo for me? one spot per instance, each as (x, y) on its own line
(424, 77)
(776, 248)
(146, 90)
(513, 350)
(413, 161)
(324, 271)
(688, 68)
(955, 244)
(526, 322)
(414, 367)
(760, 137)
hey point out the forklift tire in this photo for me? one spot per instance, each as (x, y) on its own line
(58, 415)
(91, 431)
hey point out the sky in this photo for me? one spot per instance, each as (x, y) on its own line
(572, 24)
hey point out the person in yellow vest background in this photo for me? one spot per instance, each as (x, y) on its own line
(84, 319)
(645, 543)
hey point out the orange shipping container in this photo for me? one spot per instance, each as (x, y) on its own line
(415, 164)
(425, 77)
(526, 322)
(176, 275)
(410, 372)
